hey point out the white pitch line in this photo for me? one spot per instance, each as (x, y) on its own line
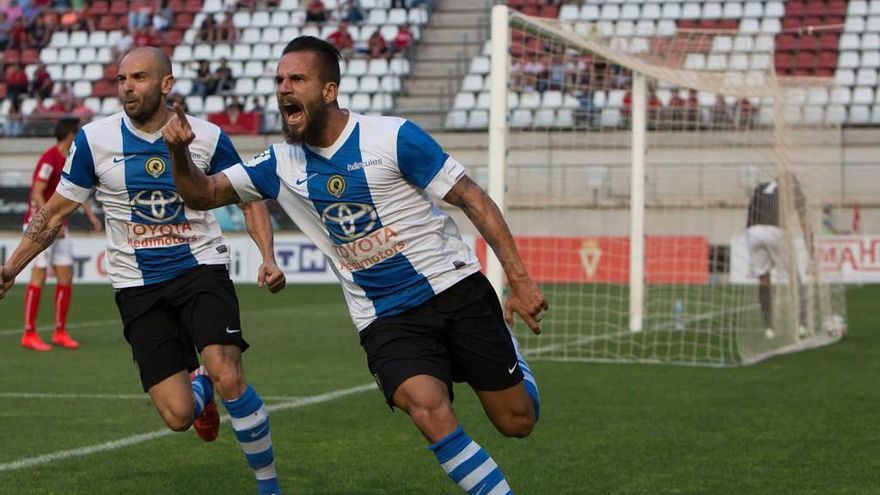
(39, 395)
(146, 437)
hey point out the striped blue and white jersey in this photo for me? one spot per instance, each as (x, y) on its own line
(365, 203)
(151, 235)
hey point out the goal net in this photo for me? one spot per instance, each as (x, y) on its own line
(625, 157)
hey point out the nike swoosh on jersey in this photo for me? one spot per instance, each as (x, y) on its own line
(300, 182)
(121, 159)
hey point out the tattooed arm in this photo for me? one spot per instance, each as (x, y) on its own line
(40, 234)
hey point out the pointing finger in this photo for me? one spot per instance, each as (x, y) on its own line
(181, 116)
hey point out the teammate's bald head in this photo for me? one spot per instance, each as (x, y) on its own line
(156, 58)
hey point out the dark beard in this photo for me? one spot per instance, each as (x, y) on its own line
(149, 108)
(318, 117)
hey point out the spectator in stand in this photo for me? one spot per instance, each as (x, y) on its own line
(398, 4)
(146, 37)
(14, 120)
(63, 93)
(16, 82)
(87, 16)
(427, 3)
(81, 111)
(163, 18)
(745, 112)
(250, 5)
(13, 11)
(5, 28)
(676, 112)
(316, 12)
(202, 79)
(18, 36)
(42, 83)
(226, 31)
(50, 18)
(208, 29)
(139, 14)
(377, 47)
(69, 20)
(534, 72)
(223, 80)
(39, 33)
(342, 40)
(351, 12)
(40, 108)
(123, 44)
(720, 112)
(404, 39)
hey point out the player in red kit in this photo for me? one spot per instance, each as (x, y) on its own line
(60, 254)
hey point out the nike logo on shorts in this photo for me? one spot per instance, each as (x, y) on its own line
(512, 368)
(232, 331)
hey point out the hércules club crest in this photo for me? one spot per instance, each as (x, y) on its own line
(155, 166)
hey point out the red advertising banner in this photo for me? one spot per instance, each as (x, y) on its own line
(668, 259)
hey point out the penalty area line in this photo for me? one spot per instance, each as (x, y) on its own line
(153, 435)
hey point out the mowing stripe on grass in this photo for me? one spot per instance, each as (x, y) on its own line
(146, 437)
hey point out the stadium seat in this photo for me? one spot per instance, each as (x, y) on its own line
(368, 84)
(261, 51)
(377, 17)
(480, 65)
(214, 104)
(111, 105)
(279, 19)
(817, 96)
(478, 119)
(241, 52)
(530, 100)
(194, 105)
(183, 86)
(863, 95)
(545, 117)
(646, 28)
(844, 77)
(849, 60)
(859, 114)
(761, 61)
(630, 12)
(82, 89)
(569, 13)
(357, 67)
(390, 84)
(590, 12)
(551, 99)
(484, 100)
(814, 114)
(870, 59)
(608, 12)
(59, 39)
(456, 119)
(250, 35)
(348, 84)
(472, 83)
(695, 61)
(866, 77)
(870, 41)
(521, 118)
(78, 39)
(221, 51)
(722, 44)
(672, 11)
(377, 67)
(265, 86)
(756, 9)
(93, 104)
(87, 55)
(48, 56)
(212, 6)
(841, 95)
(610, 117)
(381, 103)
(771, 26)
(712, 10)
(651, 12)
(854, 24)
(360, 102)
(464, 101)
(93, 72)
(716, 62)
(244, 86)
(835, 114)
(72, 72)
(417, 17)
(750, 26)
(734, 10)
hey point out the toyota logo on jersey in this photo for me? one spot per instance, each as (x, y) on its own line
(157, 206)
(349, 221)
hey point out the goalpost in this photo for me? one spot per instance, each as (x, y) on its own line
(625, 165)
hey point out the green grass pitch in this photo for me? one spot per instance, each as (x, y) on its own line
(76, 422)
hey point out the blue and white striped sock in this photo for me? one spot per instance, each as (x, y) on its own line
(203, 392)
(528, 379)
(469, 466)
(250, 420)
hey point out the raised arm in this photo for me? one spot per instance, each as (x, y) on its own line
(40, 234)
(198, 190)
(259, 226)
(525, 297)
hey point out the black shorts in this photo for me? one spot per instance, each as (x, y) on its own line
(457, 336)
(166, 323)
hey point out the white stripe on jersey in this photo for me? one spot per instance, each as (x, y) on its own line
(364, 202)
(151, 235)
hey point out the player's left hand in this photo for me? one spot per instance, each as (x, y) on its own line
(527, 300)
(177, 133)
(270, 275)
(6, 280)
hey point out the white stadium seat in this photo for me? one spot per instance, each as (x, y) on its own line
(214, 104)
(456, 119)
(478, 119)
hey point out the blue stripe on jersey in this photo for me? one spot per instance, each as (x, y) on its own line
(225, 155)
(262, 170)
(393, 284)
(82, 165)
(161, 264)
(151, 190)
(419, 157)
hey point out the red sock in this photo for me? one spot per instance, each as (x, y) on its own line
(62, 304)
(31, 306)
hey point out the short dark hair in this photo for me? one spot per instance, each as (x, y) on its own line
(328, 54)
(65, 127)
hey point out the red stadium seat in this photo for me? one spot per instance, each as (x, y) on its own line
(551, 11)
(176, 6)
(805, 60)
(836, 8)
(100, 8)
(173, 37)
(109, 72)
(119, 7)
(795, 9)
(792, 23)
(103, 89)
(111, 22)
(807, 43)
(529, 10)
(816, 8)
(829, 41)
(11, 56)
(183, 20)
(2, 90)
(192, 6)
(784, 61)
(827, 60)
(786, 42)
(30, 56)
